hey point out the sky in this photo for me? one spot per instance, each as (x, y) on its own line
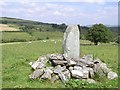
(83, 12)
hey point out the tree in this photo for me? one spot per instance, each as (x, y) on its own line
(99, 33)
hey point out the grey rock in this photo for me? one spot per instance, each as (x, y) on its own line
(97, 69)
(77, 68)
(104, 68)
(59, 69)
(71, 43)
(40, 66)
(70, 61)
(85, 72)
(62, 77)
(67, 74)
(43, 59)
(47, 74)
(36, 74)
(86, 63)
(88, 57)
(70, 68)
(37, 65)
(112, 75)
(54, 78)
(77, 74)
(51, 68)
(78, 63)
(91, 81)
(56, 57)
(59, 62)
(91, 72)
(97, 61)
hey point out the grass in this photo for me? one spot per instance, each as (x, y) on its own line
(16, 58)
(15, 36)
(23, 36)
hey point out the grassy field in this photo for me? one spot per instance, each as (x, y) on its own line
(16, 68)
(23, 36)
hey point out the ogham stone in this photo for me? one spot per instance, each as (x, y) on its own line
(71, 43)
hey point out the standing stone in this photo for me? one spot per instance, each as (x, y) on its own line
(71, 43)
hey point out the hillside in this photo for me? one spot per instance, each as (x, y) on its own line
(32, 25)
(40, 26)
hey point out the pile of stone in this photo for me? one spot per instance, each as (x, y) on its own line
(69, 64)
(57, 66)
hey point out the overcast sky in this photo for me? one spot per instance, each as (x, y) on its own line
(83, 12)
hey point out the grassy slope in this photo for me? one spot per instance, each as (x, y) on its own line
(16, 58)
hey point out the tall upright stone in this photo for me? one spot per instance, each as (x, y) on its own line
(71, 43)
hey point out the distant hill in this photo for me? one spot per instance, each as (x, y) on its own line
(39, 26)
(29, 25)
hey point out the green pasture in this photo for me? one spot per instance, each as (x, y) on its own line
(24, 37)
(16, 68)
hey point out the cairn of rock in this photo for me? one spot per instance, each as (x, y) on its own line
(69, 65)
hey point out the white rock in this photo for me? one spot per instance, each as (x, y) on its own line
(77, 68)
(112, 75)
(77, 73)
(36, 65)
(62, 77)
(36, 74)
(85, 72)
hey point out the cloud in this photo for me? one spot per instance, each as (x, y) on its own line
(83, 13)
(57, 13)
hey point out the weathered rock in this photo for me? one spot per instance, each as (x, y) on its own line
(47, 74)
(54, 78)
(67, 74)
(71, 43)
(88, 57)
(104, 68)
(51, 68)
(71, 68)
(70, 61)
(77, 68)
(59, 69)
(85, 72)
(112, 75)
(36, 74)
(43, 59)
(97, 69)
(97, 61)
(56, 57)
(86, 63)
(59, 62)
(80, 64)
(38, 65)
(91, 72)
(62, 77)
(91, 81)
(77, 74)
